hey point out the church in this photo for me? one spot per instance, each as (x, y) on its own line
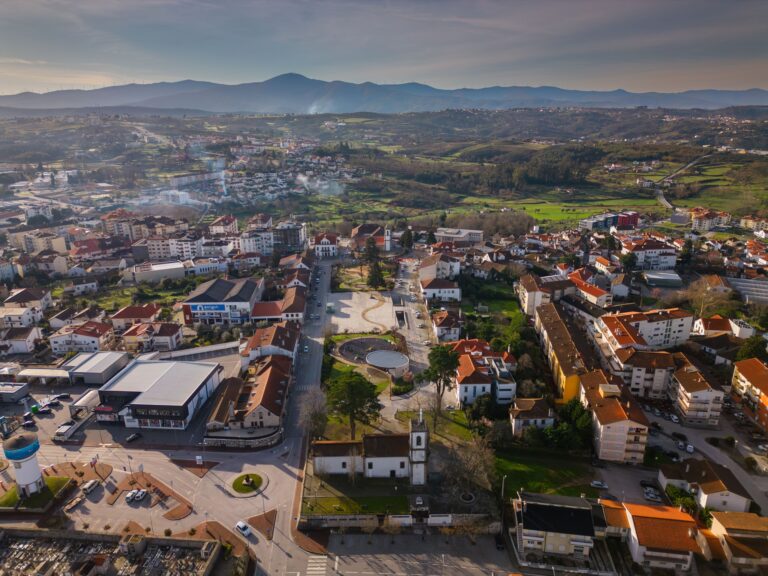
(377, 455)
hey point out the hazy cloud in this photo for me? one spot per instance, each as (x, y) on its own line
(598, 44)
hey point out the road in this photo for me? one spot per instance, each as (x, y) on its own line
(660, 193)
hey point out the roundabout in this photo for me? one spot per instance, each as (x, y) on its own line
(248, 484)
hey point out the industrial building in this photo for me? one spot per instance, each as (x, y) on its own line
(95, 368)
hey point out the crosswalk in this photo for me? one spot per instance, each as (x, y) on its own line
(316, 565)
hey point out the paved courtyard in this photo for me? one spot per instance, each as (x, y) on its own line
(361, 312)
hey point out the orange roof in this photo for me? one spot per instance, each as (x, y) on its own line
(469, 372)
(755, 372)
(716, 323)
(614, 513)
(663, 528)
(267, 309)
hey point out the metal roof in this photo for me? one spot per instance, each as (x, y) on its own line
(93, 362)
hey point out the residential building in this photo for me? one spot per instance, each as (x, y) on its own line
(19, 317)
(294, 304)
(654, 329)
(586, 290)
(712, 485)
(482, 372)
(620, 426)
(438, 290)
(38, 299)
(223, 301)
(565, 359)
(446, 325)
(289, 236)
(223, 225)
(646, 372)
(19, 340)
(149, 337)
(257, 240)
(440, 266)
(81, 286)
(651, 254)
(696, 399)
(528, 413)
(134, 314)
(86, 337)
(281, 339)
(535, 291)
(458, 235)
(551, 524)
(749, 386)
(662, 537)
(704, 219)
(744, 539)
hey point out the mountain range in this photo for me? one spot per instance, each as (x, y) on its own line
(297, 94)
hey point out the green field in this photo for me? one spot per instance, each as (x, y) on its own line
(53, 485)
(339, 495)
(452, 425)
(544, 473)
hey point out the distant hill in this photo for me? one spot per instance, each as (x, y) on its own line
(297, 94)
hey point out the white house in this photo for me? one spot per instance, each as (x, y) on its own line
(440, 290)
(661, 537)
(446, 325)
(326, 245)
(88, 337)
(530, 413)
(712, 485)
(19, 340)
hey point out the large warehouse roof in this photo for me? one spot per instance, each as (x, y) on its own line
(161, 383)
(93, 362)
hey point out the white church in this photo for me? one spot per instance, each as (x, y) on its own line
(377, 455)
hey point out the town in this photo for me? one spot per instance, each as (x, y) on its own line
(209, 394)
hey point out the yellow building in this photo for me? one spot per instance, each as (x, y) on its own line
(564, 358)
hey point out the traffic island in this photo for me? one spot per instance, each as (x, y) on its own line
(247, 485)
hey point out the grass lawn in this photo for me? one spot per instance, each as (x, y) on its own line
(339, 495)
(452, 425)
(544, 473)
(53, 485)
(239, 486)
(339, 338)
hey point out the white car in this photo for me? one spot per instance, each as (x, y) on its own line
(599, 484)
(689, 448)
(131, 495)
(674, 419)
(140, 495)
(243, 528)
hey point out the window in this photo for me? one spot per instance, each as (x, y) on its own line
(370, 465)
(402, 465)
(343, 465)
(418, 440)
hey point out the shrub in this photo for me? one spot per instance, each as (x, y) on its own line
(192, 531)
(167, 532)
(400, 387)
(729, 441)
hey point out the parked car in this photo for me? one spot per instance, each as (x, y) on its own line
(28, 416)
(599, 484)
(131, 495)
(243, 528)
(674, 419)
(140, 495)
(45, 410)
(422, 325)
(306, 349)
(53, 402)
(656, 412)
(648, 484)
(133, 437)
(652, 497)
(63, 396)
(29, 424)
(427, 343)
(681, 445)
(689, 448)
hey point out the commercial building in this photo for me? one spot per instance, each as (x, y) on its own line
(223, 301)
(158, 394)
(458, 235)
(95, 368)
(619, 424)
(12, 392)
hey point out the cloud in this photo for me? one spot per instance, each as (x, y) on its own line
(21, 61)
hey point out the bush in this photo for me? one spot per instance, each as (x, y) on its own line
(167, 532)
(400, 387)
(729, 441)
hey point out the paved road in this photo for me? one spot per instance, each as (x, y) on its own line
(660, 192)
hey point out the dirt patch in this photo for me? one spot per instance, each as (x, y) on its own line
(312, 541)
(192, 466)
(213, 530)
(264, 523)
(380, 302)
(80, 472)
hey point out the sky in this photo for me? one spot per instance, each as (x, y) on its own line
(637, 45)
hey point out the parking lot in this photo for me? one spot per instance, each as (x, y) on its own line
(45, 425)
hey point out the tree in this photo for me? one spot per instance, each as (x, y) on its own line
(406, 240)
(706, 301)
(629, 261)
(371, 250)
(443, 362)
(754, 347)
(375, 275)
(431, 238)
(313, 411)
(353, 397)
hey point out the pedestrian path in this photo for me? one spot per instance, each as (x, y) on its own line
(316, 565)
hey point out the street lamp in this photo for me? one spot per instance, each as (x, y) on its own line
(503, 480)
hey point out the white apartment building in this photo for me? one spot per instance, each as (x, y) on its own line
(534, 291)
(260, 240)
(698, 402)
(655, 329)
(651, 254)
(88, 337)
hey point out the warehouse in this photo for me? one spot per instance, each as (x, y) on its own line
(12, 392)
(158, 394)
(95, 368)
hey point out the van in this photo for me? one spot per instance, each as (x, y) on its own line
(90, 486)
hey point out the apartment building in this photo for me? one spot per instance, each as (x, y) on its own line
(483, 372)
(586, 290)
(620, 426)
(697, 400)
(744, 539)
(534, 291)
(655, 329)
(565, 359)
(651, 254)
(87, 337)
(750, 386)
(703, 219)
(257, 240)
(646, 372)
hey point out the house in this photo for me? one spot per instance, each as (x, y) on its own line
(70, 316)
(620, 426)
(36, 298)
(295, 262)
(749, 385)
(530, 413)
(87, 337)
(280, 339)
(586, 290)
(534, 291)
(439, 266)
(223, 301)
(703, 219)
(80, 286)
(564, 357)
(19, 340)
(551, 524)
(744, 539)
(155, 336)
(662, 537)
(446, 325)
(294, 304)
(717, 324)
(360, 234)
(257, 402)
(482, 371)
(377, 455)
(19, 317)
(135, 314)
(438, 290)
(326, 245)
(223, 225)
(712, 485)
